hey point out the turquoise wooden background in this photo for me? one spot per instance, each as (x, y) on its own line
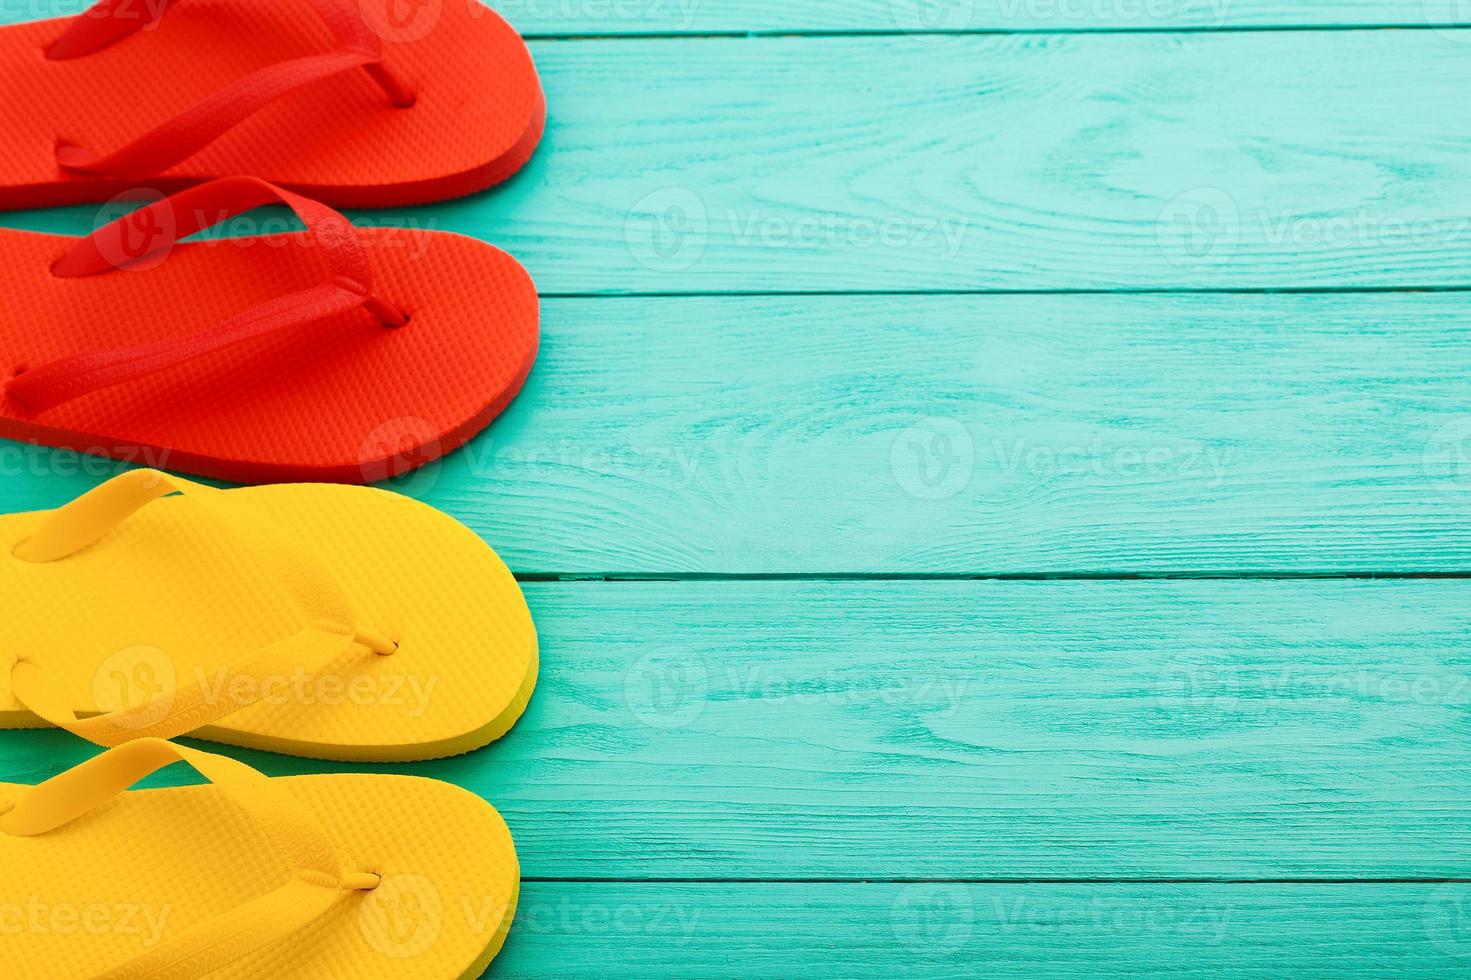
(995, 494)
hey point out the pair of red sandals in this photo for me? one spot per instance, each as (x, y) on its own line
(335, 354)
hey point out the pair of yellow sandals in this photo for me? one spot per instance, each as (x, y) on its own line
(334, 622)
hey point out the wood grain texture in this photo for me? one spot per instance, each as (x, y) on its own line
(978, 730)
(963, 435)
(1054, 162)
(984, 733)
(1043, 163)
(935, 931)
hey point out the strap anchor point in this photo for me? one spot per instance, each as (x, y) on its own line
(364, 881)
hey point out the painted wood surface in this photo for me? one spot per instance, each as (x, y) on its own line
(979, 730)
(963, 435)
(948, 930)
(1051, 162)
(745, 777)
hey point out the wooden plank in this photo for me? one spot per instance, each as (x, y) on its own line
(1068, 162)
(1059, 162)
(985, 436)
(979, 730)
(963, 435)
(960, 931)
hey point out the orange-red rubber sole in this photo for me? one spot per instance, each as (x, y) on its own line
(478, 115)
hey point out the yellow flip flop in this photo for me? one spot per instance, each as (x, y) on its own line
(335, 622)
(296, 878)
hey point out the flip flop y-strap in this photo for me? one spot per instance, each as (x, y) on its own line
(151, 232)
(316, 881)
(173, 142)
(328, 632)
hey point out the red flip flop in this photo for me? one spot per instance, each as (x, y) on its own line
(357, 103)
(337, 354)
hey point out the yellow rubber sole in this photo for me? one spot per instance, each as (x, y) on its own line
(166, 599)
(153, 864)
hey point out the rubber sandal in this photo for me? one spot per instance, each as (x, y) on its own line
(347, 101)
(335, 354)
(317, 620)
(295, 878)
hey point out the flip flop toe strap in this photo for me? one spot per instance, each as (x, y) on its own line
(153, 231)
(169, 713)
(325, 637)
(315, 882)
(110, 21)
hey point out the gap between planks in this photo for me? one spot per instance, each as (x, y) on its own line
(910, 293)
(1265, 575)
(851, 880)
(839, 34)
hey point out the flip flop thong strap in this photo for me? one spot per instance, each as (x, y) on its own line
(170, 712)
(153, 231)
(91, 517)
(315, 883)
(110, 21)
(327, 632)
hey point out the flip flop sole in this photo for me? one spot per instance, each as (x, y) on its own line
(478, 115)
(158, 862)
(165, 601)
(343, 399)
